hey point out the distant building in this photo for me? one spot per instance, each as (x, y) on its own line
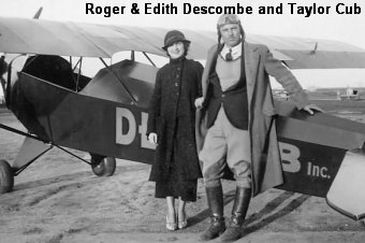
(349, 94)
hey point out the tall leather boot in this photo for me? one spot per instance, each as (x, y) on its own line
(239, 210)
(215, 203)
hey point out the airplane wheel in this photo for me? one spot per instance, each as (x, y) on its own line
(6, 177)
(106, 167)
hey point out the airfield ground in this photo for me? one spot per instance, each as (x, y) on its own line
(58, 199)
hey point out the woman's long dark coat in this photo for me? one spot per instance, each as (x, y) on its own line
(178, 84)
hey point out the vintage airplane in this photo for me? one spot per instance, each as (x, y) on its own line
(106, 115)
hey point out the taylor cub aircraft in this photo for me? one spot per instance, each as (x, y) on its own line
(106, 115)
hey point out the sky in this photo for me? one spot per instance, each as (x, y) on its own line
(347, 27)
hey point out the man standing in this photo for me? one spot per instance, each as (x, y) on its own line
(238, 103)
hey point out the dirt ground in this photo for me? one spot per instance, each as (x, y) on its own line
(58, 199)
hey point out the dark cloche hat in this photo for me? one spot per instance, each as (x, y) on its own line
(172, 37)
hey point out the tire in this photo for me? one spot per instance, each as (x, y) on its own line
(6, 177)
(104, 167)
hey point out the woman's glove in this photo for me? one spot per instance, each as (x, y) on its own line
(199, 102)
(152, 137)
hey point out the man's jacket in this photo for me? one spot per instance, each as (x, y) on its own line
(265, 156)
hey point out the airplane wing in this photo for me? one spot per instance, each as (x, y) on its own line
(36, 36)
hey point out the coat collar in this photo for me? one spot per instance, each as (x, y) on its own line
(251, 59)
(251, 65)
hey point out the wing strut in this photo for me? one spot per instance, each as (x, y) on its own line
(132, 56)
(149, 59)
(134, 101)
(76, 64)
(78, 75)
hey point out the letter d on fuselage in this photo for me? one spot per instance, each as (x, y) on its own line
(126, 127)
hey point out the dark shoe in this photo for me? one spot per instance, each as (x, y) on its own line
(217, 227)
(239, 210)
(215, 203)
(232, 233)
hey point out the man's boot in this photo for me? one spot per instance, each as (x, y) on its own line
(215, 203)
(239, 210)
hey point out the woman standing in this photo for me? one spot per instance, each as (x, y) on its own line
(171, 126)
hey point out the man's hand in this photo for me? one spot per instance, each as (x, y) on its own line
(311, 108)
(199, 102)
(152, 137)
